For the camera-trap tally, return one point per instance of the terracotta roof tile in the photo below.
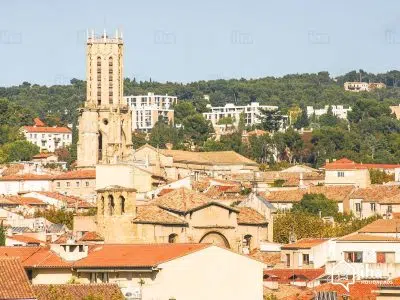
(382, 226)
(135, 255)
(268, 258)
(91, 236)
(26, 201)
(78, 174)
(26, 177)
(43, 155)
(356, 291)
(336, 193)
(347, 164)
(290, 275)
(304, 243)
(249, 216)
(208, 158)
(70, 201)
(152, 214)
(361, 237)
(39, 123)
(78, 291)
(378, 193)
(181, 200)
(164, 191)
(35, 257)
(41, 129)
(14, 283)
(26, 239)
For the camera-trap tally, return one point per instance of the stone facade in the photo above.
(105, 120)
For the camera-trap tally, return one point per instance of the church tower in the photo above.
(105, 120)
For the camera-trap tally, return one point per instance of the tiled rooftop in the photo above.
(14, 283)
(152, 214)
(304, 243)
(250, 216)
(41, 129)
(382, 226)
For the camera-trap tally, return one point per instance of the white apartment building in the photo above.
(338, 110)
(147, 109)
(251, 113)
(48, 138)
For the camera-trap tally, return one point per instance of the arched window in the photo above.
(98, 80)
(122, 201)
(172, 238)
(110, 80)
(111, 205)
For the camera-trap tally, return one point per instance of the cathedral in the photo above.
(105, 143)
(105, 120)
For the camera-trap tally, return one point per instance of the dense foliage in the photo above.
(316, 204)
(371, 133)
(306, 225)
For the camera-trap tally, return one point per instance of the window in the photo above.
(87, 183)
(68, 183)
(306, 259)
(81, 248)
(43, 143)
(58, 184)
(389, 209)
(358, 207)
(373, 206)
(353, 257)
(172, 238)
(385, 257)
(340, 174)
(288, 260)
(77, 184)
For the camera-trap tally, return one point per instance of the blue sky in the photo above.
(44, 41)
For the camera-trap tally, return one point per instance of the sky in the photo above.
(43, 41)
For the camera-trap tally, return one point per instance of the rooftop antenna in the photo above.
(104, 35)
(116, 33)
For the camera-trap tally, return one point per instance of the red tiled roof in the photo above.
(347, 164)
(164, 191)
(35, 257)
(290, 275)
(26, 177)
(91, 236)
(71, 201)
(304, 243)
(356, 291)
(43, 155)
(34, 129)
(26, 201)
(152, 214)
(26, 239)
(378, 193)
(39, 123)
(249, 216)
(361, 237)
(78, 174)
(14, 283)
(382, 226)
(136, 255)
(78, 291)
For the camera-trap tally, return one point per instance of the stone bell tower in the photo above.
(105, 120)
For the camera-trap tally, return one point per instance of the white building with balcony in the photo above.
(337, 110)
(48, 138)
(148, 109)
(251, 113)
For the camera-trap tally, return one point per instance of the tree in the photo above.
(271, 120)
(380, 177)
(315, 204)
(182, 110)
(2, 234)
(138, 139)
(197, 129)
(162, 134)
(328, 119)
(18, 151)
(302, 121)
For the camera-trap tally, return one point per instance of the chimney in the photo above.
(327, 160)
(169, 146)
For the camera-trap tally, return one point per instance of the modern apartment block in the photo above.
(147, 110)
(251, 113)
(338, 110)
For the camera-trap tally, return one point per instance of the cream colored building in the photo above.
(164, 271)
(105, 120)
(396, 110)
(363, 86)
(347, 172)
(177, 164)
